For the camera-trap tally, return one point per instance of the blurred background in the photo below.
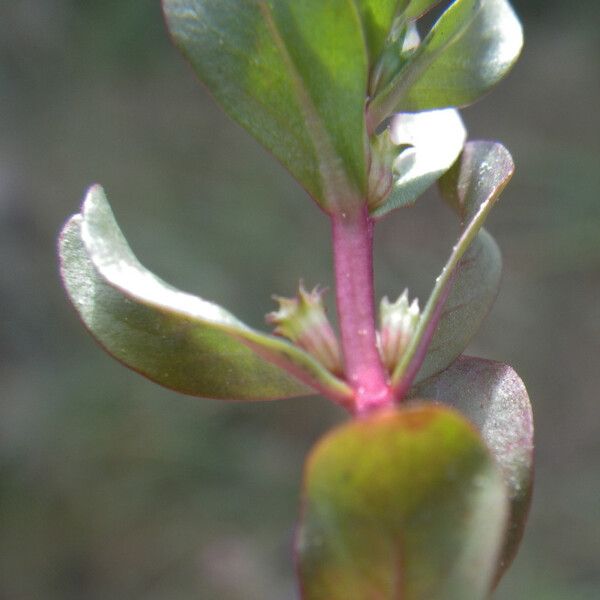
(111, 487)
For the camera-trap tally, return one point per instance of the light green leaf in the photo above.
(401, 44)
(467, 286)
(295, 75)
(436, 138)
(416, 8)
(176, 339)
(472, 47)
(377, 17)
(494, 398)
(401, 504)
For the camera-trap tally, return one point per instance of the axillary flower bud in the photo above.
(384, 152)
(303, 321)
(398, 322)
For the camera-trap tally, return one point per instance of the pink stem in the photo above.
(353, 265)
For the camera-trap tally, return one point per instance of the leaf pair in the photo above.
(410, 504)
(296, 74)
(198, 348)
(403, 504)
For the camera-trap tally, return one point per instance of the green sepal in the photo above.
(178, 340)
(404, 504)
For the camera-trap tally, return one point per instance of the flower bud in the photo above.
(382, 168)
(398, 322)
(303, 321)
(383, 155)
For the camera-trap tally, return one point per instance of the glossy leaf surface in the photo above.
(467, 286)
(468, 51)
(176, 339)
(402, 504)
(416, 8)
(377, 17)
(494, 398)
(436, 138)
(294, 74)
(474, 290)
(472, 47)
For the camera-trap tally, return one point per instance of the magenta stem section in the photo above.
(353, 265)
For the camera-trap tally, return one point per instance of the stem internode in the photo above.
(353, 266)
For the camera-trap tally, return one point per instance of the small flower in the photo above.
(398, 322)
(304, 322)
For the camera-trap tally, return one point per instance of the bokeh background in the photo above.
(111, 487)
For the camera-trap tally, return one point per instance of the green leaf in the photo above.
(382, 18)
(416, 8)
(436, 138)
(295, 75)
(472, 47)
(176, 339)
(377, 17)
(494, 398)
(401, 504)
(476, 284)
(467, 286)
(476, 180)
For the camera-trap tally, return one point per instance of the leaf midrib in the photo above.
(335, 188)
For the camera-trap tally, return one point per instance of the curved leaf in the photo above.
(294, 74)
(176, 339)
(474, 290)
(416, 8)
(401, 504)
(472, 47)
(467, 286)
(435, 139)
(377, 17)
(494, 398)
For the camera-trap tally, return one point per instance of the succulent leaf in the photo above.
(178, 340)
(401, 504)
(294, 74)
(468, 283)
(473, 45)
(494, 398)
